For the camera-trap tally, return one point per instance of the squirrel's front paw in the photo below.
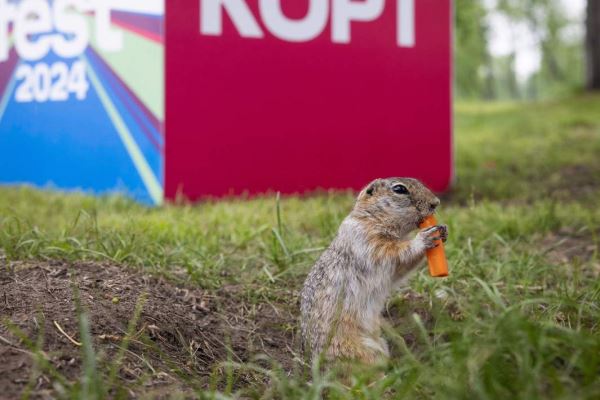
(443, 232)
(427, 237)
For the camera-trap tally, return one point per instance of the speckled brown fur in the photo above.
(346, 290)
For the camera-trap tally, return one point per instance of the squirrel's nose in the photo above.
(434, 203)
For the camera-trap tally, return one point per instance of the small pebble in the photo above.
(115, 300)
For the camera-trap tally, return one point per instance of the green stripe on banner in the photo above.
(150, 181)
(140, 64)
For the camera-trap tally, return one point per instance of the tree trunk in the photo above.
(489, 86)
(550, 59)
(511, 78)
(592, 45)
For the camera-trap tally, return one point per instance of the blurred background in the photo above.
(134, 73)
(525, 49)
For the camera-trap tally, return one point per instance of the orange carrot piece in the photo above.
(436, 257)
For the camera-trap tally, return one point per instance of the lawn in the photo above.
(201, 299)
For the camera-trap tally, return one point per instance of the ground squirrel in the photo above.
(345, 292)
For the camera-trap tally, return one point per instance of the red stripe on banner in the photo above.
(7, 69)
(132, 28)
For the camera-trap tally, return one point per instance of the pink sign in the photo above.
(293, 95)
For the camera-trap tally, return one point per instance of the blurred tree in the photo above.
(593, 45)
(562, 66)
(478, 74)
(506, 85)
(561, 60)
(472, 60)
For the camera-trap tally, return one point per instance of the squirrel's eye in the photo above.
(400, 189)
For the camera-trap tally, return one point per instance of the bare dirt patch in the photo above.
(566, 246)
(573, 182)
(183, 334)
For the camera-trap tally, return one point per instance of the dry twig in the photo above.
(75, 342)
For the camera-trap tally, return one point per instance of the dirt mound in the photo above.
(182, 335)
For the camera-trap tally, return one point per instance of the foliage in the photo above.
(471, 57)
(481, 75)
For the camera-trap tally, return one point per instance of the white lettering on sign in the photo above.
(7, 14)
(211, 18)
(406, 23)
(346, 11)
(41, 26)
(107, 38)
(33, 17)
(294, 30)
(72, 24)
(343, 13)
(54, 82)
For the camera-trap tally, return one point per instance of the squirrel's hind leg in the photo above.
(351, 344)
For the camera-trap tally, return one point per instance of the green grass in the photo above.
(519, 151)
(510, 321)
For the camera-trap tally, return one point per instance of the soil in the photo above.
(182, 337)
(574, 182)
(568, 246)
